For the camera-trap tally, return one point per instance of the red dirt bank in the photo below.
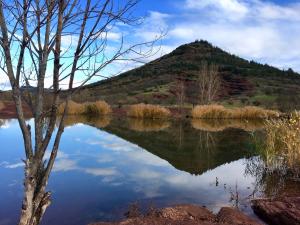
(188, 215)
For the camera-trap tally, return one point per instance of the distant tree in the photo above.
(209, 83)
(179, 91)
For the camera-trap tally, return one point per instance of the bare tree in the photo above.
(178, 90)
(33, 52)
(209, 83)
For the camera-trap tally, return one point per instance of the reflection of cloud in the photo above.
(64, 165)
(147, 158)
(7, 165)
(147, 174)
(101, 171)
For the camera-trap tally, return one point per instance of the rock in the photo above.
(283, 211)
(188, 215)
(234, 216)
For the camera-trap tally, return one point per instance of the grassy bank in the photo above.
(88, 108)
(220, 112)
(148, 111)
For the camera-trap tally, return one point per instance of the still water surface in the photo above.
(104, 165)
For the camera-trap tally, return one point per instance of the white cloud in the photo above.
(233, 9)
(255, 30)
(114, 36)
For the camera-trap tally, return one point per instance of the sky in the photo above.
(264, 31)
(259, 30)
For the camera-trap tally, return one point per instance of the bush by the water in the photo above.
(88, 108)
(97, 108)
(220, 112)
(148, 111)
(74, 108)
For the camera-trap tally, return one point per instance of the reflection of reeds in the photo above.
(214, 125)
(99, 122)
(88, 108)
(147, 125)
(220, 112)
(148, 111)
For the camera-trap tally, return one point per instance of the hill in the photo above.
(243, 82)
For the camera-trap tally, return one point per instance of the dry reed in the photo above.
(148, 111)
(220, 112)
(283, 139)
(74, 108)
(88, 108)
(97, 108)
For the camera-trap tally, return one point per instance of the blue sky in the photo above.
(265, 31)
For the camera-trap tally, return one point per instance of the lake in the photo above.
(104, 165)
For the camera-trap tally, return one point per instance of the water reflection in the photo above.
(105, 164)
(220, 125)
(147, 125)
(99, 122)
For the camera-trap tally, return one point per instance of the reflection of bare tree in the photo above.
(209, 83)
(207, 144)
(207, 141)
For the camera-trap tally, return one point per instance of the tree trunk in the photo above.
(36, 199)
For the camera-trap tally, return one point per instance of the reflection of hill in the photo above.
(186, 148)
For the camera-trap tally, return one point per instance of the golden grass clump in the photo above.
(148, 111)
(253, 112)
(283, 139)
(88, 108)
(1, 105)
(220, 112)
(97, 108)
(74, 108)
(211, 112)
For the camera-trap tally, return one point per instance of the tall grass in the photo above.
(220, 112)
(148, 111)
(283, 139)
(88, 108)
(74, 108)
(97, 108)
